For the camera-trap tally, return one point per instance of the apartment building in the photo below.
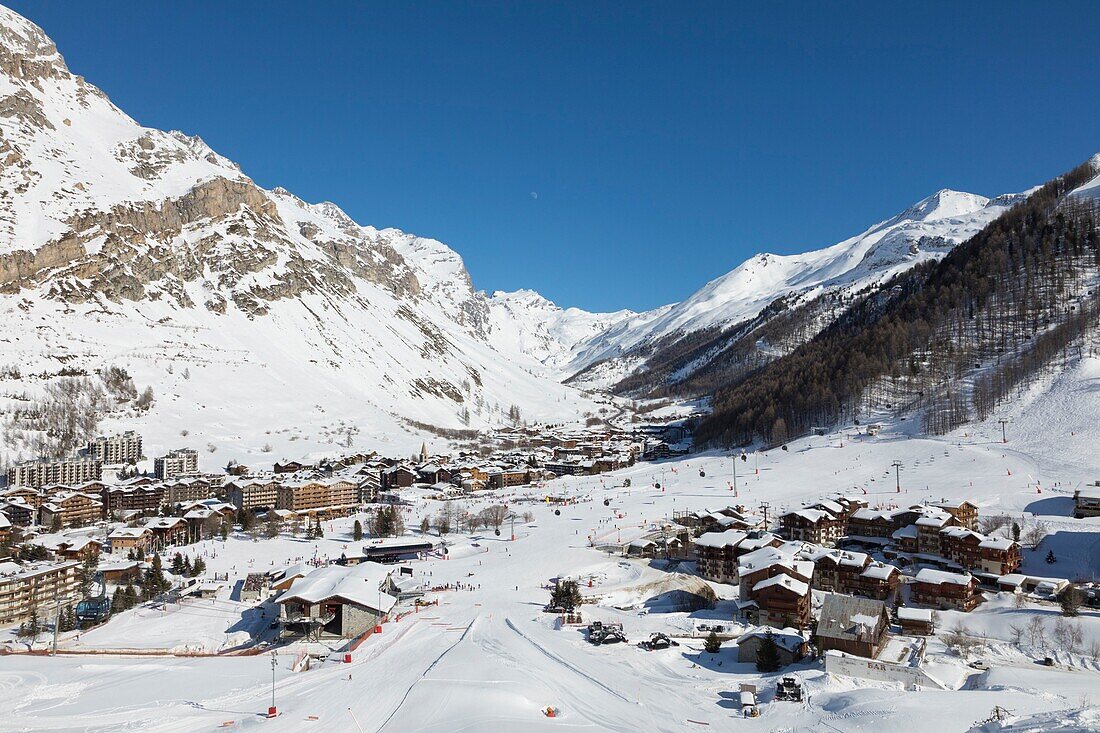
(27, 588)
(333, 496)
(122, 448)
(72, 508)
(179, 462)
(253, 493)
(37, 474)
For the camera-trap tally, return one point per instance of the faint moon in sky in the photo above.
(535, 194)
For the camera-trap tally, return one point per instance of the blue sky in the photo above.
(665, 142)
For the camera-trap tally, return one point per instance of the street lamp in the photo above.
(273, 711)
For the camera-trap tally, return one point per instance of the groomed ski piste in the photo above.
(489, 659)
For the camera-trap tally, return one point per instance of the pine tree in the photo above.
(177, 564)
(188, 571)
(317, 531)
(155, 582)
(129, 595)
(198, 568)
(357, 531)
(767, 656)
(118, 603)
(86, 575)
(1051, 559)
(712, 643)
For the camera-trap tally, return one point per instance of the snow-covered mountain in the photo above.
(262, 322)
(926, 230)
(252, 310)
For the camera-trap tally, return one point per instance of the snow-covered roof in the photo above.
(728, 538)
(931, 575)
(785, 581)
(997, 543)
(788, 638)
(879, 571)
(908, 613)
(360, 584)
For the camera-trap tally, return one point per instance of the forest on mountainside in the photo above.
(949, 339)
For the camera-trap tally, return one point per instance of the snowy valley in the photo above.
(268, 468)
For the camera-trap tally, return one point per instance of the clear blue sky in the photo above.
(666, 142)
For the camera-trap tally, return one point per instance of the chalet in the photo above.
(870, 523)
(941, 589)
(717, 553)
(396, 477)
(5, 528)
(432, 474)
(878, 580)
(791, 642)
(121, 572)
(1086, 501)
(811, 525)
(66, 547)
(975, 551)
(19, 513)
(905, 538)
(337, 601)
(852, 625)
(23, 494)
(188, 489)
(503, 478)
(167, 531)
(781, 601)
(130, 541)
(929, 526)
(916, 621)
(290, 467)
(71, 509)
(963, 512)
(142, 499)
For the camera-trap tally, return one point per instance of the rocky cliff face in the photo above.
(115, 234)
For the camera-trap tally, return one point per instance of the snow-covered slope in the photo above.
(294, 325)
(527, 325)
(927, 229)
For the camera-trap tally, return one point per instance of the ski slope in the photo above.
(488, 658)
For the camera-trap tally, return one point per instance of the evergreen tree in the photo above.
(712, 643)
(767, 656)
(177, 564)
(129, 595)
(273, 526)
(425, 525)
(199, 567)
(357, 531)
(1015, 532)
(1051, 559)
(1070, 601)
(118, 603)
(317, 531)
(155, 582)
(566, 595)
(188, 571)
(86, 574)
